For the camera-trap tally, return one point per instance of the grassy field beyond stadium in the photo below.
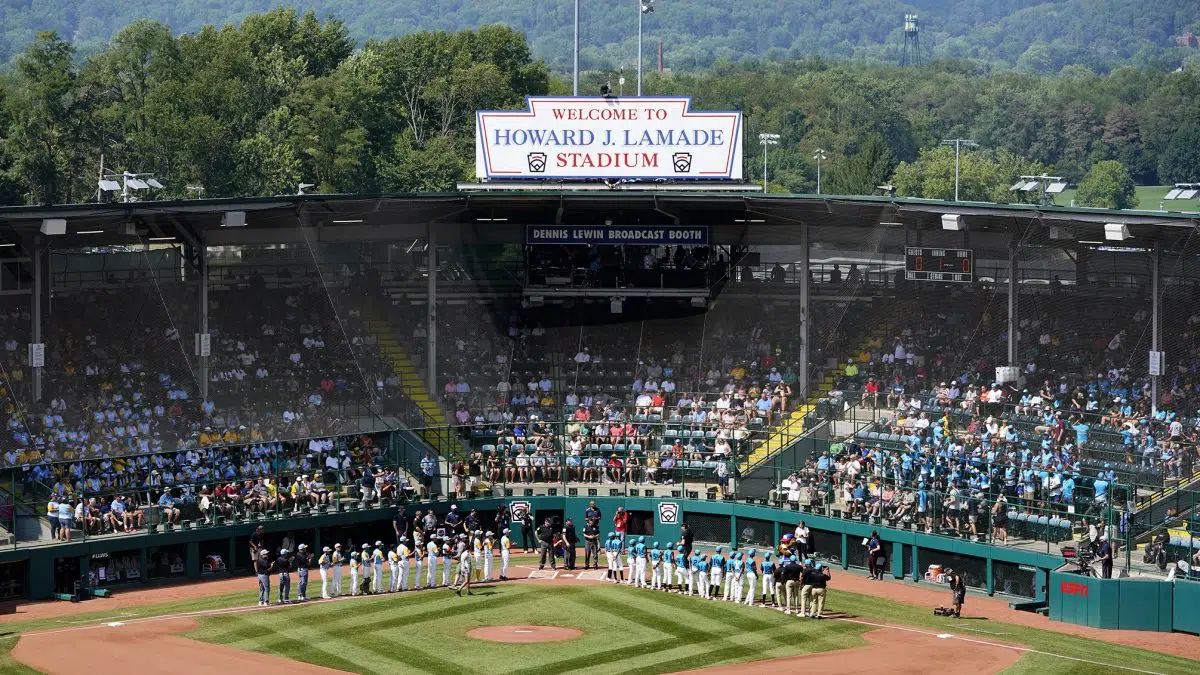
(625, 631)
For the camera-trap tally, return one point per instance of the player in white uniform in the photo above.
(337, 561)
(377, 559)
(323, 566)
(477, 554)
(505, 546)
(489, 554)
(394, 561)
(739, 568)
(355, 571)
(418, 557)
(667, 556)
(610, 557)
(464, 572)
(629, 564)
(447, 560)
(716, 567)
(751, 577)
(431, 559)
(639, 562)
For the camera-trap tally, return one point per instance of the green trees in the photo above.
(256, 109)
(1107, 186)
(1180, 160)
(984, 176)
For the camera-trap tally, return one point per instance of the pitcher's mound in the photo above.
(524, 634)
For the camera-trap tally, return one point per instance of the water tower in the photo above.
(912, 41)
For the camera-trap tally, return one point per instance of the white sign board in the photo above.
(1157, 360)
(37, 355)
(608, 137)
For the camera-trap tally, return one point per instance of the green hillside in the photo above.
(1041, 35)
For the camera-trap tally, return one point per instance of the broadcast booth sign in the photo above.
(693, 235)
(632, 138)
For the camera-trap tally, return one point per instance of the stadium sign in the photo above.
(615, 234)
(607, 137)
(668, 513)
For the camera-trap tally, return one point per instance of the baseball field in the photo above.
(564, 624)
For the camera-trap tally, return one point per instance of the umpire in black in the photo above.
(572, 540)
(545, 535)
(591, 546)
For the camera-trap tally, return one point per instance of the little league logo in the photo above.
(668, 513)
(682, 161)
(537, 162)
(518, 509)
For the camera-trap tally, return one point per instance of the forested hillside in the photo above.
(284, 99)
(1040, 35)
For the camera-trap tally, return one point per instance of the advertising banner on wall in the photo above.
(608, 137)
(696, 235)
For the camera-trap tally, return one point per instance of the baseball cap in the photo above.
(302, 546)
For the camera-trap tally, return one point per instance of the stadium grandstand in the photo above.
(1016, 376)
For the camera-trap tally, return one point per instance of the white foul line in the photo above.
(996, 644)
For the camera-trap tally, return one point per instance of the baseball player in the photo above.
(431, 559)
(323, 565)
(477, 554)
(751, 577)
(337, 560)
(489, 554)
(447, 560)
(377, 559)
(418, 558)
(629, 560)
(639, 562)
(355, 571)
(403, 553)
(667, 564)
(303, 560)
(739, 571)
(609, 556)
(700, 571)
(505, 547)
(693, 579)
(768, 579)
(394, 560)
(727, 594)
(284, 564)
(682, 575)
(464, 570)
(655, 566)
(364, 566)
(716, 566)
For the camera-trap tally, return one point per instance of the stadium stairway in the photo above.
(793, 428)
(411, 382)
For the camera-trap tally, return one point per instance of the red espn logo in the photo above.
(1069, 588)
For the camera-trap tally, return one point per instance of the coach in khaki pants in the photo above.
(815, 579)
(789, 575)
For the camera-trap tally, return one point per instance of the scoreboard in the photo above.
(939, 264)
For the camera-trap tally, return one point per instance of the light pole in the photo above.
(575, 55)
(644, 7)
(958, 144)
(765, 140)
(820, 157)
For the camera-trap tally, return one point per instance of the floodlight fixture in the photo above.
(1183, 191)
(109, 185)
(1173, 193)
(300, 188)
(1188, 194)
(128, 181)
(1056, 188)
(154, 184)
(889, 190)
(137, 184)
(1017, 186)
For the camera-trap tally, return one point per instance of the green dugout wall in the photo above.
(1141, 604)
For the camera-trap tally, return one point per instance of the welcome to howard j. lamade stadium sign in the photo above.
(577, 138)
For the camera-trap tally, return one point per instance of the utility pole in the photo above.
(819, 156)
(958, 144)
(644, 7)
(575, 55)
(766, 140)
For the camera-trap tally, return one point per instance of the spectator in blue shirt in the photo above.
(169, 508)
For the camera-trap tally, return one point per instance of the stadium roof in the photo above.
(499, 216)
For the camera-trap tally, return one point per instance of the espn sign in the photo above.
(1069, 588)
(608, 137)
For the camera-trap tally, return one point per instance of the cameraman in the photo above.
(958, 591)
